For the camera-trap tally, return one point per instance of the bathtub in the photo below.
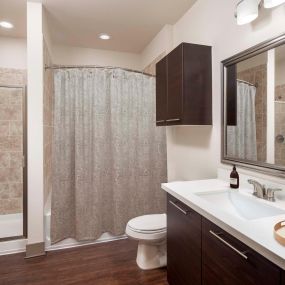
(11, 225)
(70, 242)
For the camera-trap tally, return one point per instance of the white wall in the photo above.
(46, 34)
(67, 55)
(162, 42)
(35, 123)
(194, 152)
(13, 53)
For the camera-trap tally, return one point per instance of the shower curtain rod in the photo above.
(255, 85)
(96, 66)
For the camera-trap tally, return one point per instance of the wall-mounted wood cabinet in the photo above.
(184, 86)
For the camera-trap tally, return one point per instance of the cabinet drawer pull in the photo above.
(241, 253)
(160, 121)
(173, 120)
(185, 212)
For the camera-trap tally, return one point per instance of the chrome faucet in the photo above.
(270, 194)
(261, 192)
(259, 189)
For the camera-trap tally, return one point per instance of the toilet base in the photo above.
(151, 255)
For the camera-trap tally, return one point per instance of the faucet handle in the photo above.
(270, 193)
(257, 187)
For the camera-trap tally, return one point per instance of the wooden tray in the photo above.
(279, 232)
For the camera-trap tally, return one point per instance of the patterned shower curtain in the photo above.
(109, 158)
(241, 139)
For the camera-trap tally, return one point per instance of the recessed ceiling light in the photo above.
(104, 36)
(6, 25)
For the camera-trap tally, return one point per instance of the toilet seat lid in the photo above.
(148, 223)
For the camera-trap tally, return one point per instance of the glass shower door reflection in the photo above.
(12, 162)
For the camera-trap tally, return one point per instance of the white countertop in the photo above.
(257, 233)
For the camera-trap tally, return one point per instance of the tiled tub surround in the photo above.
(48, 123)
(10, 76)
(257, 75)
(280, 123)
(256, 233)
(11, 150)
(11, 187)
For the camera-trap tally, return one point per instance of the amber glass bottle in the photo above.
(234, 178)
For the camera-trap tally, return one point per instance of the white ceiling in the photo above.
(14, 11)
(131, 23)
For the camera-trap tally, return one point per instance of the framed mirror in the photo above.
(253, 108)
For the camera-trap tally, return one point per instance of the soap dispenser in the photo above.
(234, 178)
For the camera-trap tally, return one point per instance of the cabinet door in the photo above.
(183, 244)
(283, 278)
(231, 92)
(175, 86)
(227, 261)
(161, 92)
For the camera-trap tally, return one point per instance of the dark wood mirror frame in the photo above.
(267, 168)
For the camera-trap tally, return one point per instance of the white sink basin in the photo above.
(240, 205)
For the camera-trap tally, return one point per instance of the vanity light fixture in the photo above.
(246, 11)
(272, 3)
(6, 25)
(104, 36)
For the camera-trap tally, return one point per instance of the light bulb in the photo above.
(6, 25)
(272, 3)
(246, 11)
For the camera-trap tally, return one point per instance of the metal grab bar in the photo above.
(217, 235)
(180, 209)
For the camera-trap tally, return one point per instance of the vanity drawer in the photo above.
(183, 244)
(227, 260)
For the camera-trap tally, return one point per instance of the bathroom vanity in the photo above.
(220, 236)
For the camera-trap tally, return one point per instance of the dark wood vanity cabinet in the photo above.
(227, 261)
(201, 253)
(184, 86)
(183, 244)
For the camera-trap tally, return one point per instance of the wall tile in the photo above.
(4, 128)
(4, 96)
(4, 191)
(16, 128)
(11, 132)
(11, 143)
(16, 190)
(11, 112)
(48, 101)
(16, 159)
(16, 97)
(4, 160)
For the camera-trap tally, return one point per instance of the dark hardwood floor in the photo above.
(110, 263)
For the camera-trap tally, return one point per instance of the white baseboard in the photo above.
(13, 246)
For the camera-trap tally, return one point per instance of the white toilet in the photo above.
(150, 231)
